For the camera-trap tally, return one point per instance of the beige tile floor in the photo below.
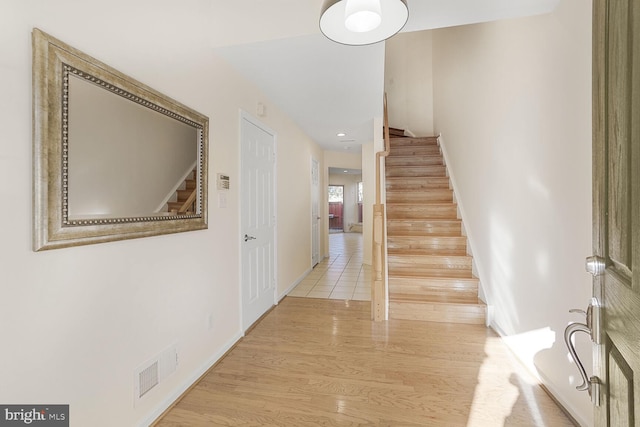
(340, 276)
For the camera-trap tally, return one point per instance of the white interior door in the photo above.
(258, 220)
(315, 212)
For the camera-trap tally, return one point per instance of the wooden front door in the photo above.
(616, 175)
(336, 207)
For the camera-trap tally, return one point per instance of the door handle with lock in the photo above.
(595, 265)
(247, 238)
(592, 328)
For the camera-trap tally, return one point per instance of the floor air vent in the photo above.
(154, 371)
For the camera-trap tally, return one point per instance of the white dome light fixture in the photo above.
(362, 22)
(361, 16)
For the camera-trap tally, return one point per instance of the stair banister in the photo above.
(379, 285)
(385, 153)
(188, 204)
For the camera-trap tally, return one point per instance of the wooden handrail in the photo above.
(379, 285)
(189, 202)
(385, 153)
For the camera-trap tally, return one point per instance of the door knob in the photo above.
(247, 238)
(595, 265)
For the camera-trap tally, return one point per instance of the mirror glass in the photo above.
(113, 158)
(118, 147)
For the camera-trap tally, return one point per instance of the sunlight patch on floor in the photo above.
(495, 391)
(527, 344)
(510, 392)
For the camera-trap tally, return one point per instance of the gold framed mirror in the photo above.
(113, 159)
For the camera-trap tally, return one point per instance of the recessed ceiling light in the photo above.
(346, 171)
(342, 134)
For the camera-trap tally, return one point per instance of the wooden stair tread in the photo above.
(432, 210)
(413, 171)
(451, 298)
(426, 251)
(427, 287)
(438, 233)
(408, 140)
(434, 204)
(401, 161)
(422, 151)
(438, 312)
(430, 273)
(423, 179)
(434, 282)
(406, 197)
(425, 192)
(420, 257)
(421, 221)
(414, 151)
(183, 195)
(421, 197)
(401, 152)
(427, 242)
(418, 242)
(437, 227)
(416, 183)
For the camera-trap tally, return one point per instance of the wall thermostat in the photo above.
(223, 181)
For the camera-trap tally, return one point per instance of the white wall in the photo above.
(409, 82)
(294, 200)
(77, 322)
(513, 104)
(343, 159)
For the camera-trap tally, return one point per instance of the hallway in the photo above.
(322, 362)
(342, 275)
(319, 360)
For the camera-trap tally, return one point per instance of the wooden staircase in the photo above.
(430, 272)
(183, 195)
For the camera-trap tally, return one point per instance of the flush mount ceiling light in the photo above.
(361, 22)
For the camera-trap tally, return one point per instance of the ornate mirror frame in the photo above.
(54, 63)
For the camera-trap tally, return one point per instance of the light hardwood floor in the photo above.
(322, 362)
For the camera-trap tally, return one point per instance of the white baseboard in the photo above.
(568, 409)
(294, 284)
(163, 406)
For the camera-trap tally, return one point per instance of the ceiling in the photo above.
(344, 171)
(325, 87)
